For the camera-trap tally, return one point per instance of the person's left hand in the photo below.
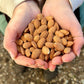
(63, 14)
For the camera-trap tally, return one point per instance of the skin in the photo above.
(63, 14)
(22, 15)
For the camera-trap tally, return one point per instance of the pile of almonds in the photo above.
(44, 39)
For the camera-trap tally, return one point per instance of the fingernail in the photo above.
(12, 55)
(51, 70)
(78, 53)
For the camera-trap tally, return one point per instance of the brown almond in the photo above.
(22, 51)
(32, 49)
(18, 49)
(50, 37)
(52, 29)
(44, 21)
(45, 50)
(50, 23)
(27, 52)
(44, 34)
(19, 42)
(34, 44)
(26, 45)
(49, 45)
(52, 53)
(23, 39)
(46, 57)
(65, 32)
(57, 53)
(60, 34)
(42, 57)
(57, 26)
(42, 28)
(26, 30)
(58, 46)
(67, 50)
(57, 39)
(36, 38)
(69, 38)
(37, 23)
(64, 41)
(41, 42)
(35, 32)
(31, 28)
(49, 18)
(28, 37)
(39, 16)
(36, 53)
(70, 43)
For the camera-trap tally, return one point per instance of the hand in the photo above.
(22, 15)
(63, 14)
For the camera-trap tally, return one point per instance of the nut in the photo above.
(41, 42)
(19, 42)
(49, 45)
(49, 18)
(57, 26)
(39, 16)
(45, 50)
(36, 38)
(36, 23)
(65, 32)
(34, 44)
(42, 57)
(70, 43)
(31, 28)
(57, 53)
(52, 53)
(67, 50)
(36, 53)
(69, 38)
(41, 28)
(60, 34)
(23, 39)
(52, 29)
(58, 46)
(18, 48)
(50, 23)
(35, 32)
(50, 37)
(44, 34)
(46, 57)
(57, 39)
(27, 52)
(22, 51)
(26, 45)
(26, 30)
(64, 41)
(44, 21)
(32, 49)
(28, 37)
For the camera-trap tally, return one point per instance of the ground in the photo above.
(68, 73)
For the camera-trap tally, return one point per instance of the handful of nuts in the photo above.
(44, 39)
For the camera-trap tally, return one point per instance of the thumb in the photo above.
(9, 42)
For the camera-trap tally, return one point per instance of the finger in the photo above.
(22, 60)
(45, 66)
(68, 57)
(9, 42)
(57, 60)
(39, 62)
(78, 43)
(51, 67)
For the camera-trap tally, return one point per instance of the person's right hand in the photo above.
(22, 15)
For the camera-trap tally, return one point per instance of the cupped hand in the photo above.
(63, 14)
(22, 15)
